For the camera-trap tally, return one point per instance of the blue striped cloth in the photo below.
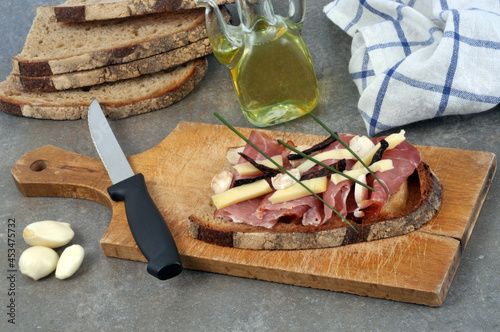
(414, 60)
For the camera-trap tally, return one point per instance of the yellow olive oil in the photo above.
(272, 73)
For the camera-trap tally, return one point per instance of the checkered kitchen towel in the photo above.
(420, 59)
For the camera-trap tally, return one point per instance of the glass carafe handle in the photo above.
(297, 12)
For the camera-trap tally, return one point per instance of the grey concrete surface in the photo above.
(117, 295)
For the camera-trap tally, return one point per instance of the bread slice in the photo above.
(119, 100)
(53, 48)
(116, 72)
(409, 210)
(91, 10)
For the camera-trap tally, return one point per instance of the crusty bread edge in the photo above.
(106, 57)
(116, 72)
(113, 111)
(120, 9)
(258, 238)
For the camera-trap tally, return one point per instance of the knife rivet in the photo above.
(39, 165)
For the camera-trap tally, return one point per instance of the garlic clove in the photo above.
(48, 233)
(70, 261)
(233, 155)
(38, 262)
(221, 182)
(361, 145)
(283, 180)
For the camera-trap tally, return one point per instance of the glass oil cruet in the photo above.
(270, 64)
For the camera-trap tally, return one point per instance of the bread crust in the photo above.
(82, 11)
(128, 48)
(424, 201)
(116, 72)
(73, 104)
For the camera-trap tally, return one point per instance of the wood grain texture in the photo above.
(417, 268)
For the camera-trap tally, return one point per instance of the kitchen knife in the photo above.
(145, 220)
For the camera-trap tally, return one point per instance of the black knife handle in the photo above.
(148, 227)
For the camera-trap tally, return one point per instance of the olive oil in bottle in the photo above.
(272, 73)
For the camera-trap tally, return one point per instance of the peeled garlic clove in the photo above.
(48, 233)
(233, 155)
(70, 261)
(361, 145)
(221, 182)
(283, 180)
(38, 262)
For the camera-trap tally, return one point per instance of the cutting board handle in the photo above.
(50, 171)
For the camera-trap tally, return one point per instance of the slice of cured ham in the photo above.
(309, 208)
(405, 159)
(269, 146)
(265, 143)
(336, 196)
(245, 212)
(260, 211)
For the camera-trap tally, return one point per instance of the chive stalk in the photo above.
(280, 167)
(325, 165)
(348, 148)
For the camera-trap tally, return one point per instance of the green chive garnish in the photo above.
(324, 165)
(280, 167)
(347, 147)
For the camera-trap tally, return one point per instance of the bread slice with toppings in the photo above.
(92, 10)
(409, 208)
(120, 99)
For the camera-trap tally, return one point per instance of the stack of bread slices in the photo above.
(133, 56)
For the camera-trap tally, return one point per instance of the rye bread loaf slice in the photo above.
(53, 48)
(120, 99)
(116, 72)
(410, 208)
(92, 10)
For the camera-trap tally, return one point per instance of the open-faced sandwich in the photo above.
(350, 189)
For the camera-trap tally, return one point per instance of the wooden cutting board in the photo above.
(418, 267)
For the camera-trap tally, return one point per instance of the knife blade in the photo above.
(146, 223)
